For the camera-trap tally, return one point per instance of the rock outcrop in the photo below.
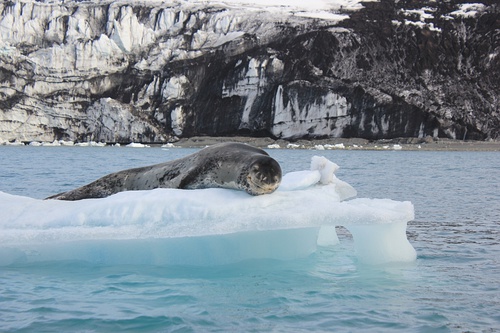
(148, 71)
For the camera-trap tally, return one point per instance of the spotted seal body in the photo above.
(226, 165)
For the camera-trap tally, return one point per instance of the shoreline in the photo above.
(409, 144)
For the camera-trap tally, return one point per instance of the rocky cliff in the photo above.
(119, 71)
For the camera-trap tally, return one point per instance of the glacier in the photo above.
(152, 71)
(208, 226)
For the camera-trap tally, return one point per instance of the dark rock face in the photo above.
(139, 73)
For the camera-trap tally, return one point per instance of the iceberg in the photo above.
(207, 226)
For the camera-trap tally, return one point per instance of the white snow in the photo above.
(313, 7)
(424, 13)
(323, 15)
(468, 10)
(209, 226)
(423, 25)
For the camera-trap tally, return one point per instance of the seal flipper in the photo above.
(101, 188)
(84, 192)
(76, 194)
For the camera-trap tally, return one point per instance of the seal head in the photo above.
(263, 176)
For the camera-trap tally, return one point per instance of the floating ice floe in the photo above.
(90, 144)
(319, 147)
(329, 146)
(206, 226)
(335, 146)
(55, 143)
(137, 145)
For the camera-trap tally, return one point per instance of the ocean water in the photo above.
(453, 286)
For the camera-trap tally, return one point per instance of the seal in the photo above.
(226, 165)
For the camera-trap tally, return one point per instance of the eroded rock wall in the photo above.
(127, 71)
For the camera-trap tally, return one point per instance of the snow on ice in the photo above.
(207, 226)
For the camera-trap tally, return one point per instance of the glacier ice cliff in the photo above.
(145, 71)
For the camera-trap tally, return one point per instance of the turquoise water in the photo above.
(452, 287)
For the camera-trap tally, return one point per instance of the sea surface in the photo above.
(453, 286)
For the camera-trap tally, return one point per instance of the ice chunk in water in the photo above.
(205, 227)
